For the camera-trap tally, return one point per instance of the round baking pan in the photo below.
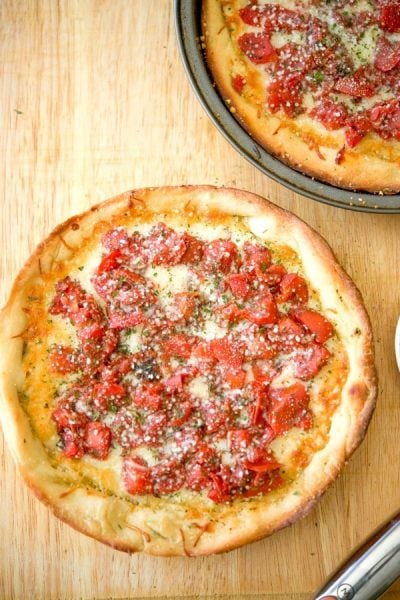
(188, 30)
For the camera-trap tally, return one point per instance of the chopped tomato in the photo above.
(274, 275)
(67, 418)
(257, 47)
(262, 309)
(63, 359)
(356, 85)
(179, 345)
(264, 483)
(168, 477)
(256, 258)
(216, 417)
(259, 388)
(226, 352)
(154, 426)
(194, 249)
(268, 464)
(390, 16)
(238, 83)
(115, 238)
(197, 477)
(98, 439)
(239, 284)
(73, 444)
(229, 312)
(136, 476)
(256, 345)
(290, 330)
(293, 288)
(108, 393)
(148, 397)
(183, 306)
(387, 56)
(234, 378)
(315, 323)
(219, 255)
(238, 439)
(311, 360)
(251, 14)
(181, 412)
(288, 406)
(332, 115)
(164, 246)
(110, 261)
(120, 319)
(219, 491)
(202, 353)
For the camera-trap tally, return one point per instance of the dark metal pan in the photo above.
(188, 29)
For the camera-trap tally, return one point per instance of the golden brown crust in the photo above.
(373, 165)
(187, 524)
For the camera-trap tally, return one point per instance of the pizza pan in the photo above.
(188, 30)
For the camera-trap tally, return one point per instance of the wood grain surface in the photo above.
(95, 101)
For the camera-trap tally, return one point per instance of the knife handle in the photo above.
(371, 570)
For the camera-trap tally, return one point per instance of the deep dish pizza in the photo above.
(184, 370)
(317, 83)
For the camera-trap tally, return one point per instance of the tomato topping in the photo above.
(67, 418)
(315, 323)
(332, 115)
(274, 275)
(163, 246)
(197, 477)
(251, 14)
(234, 378)
(256, 258)
(183, 306)
(63, 359)
(357, 128)
(73, 444)
(180, 413)
(109, 262)
(136, 475)
(287, 408)
(148, 397)
(179, 345)
(356, 85)
(119, 319)
(98, 439)
(219, 255)
(390, 16)
(226, 352)
(293, 288)
(256, 345)
(262, 309)
(238, 83)
(269, 464)
(168, 477)
(257, 47)
(239, 439)
(194, 250)
(309, 363)
(108, 394)
(239, 284)
(387, 56)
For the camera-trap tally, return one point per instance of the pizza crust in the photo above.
(190, 525)
(302, 143)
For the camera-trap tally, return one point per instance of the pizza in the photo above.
(183, 370)
(316, 83)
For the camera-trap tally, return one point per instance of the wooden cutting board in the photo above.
(94, 101)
